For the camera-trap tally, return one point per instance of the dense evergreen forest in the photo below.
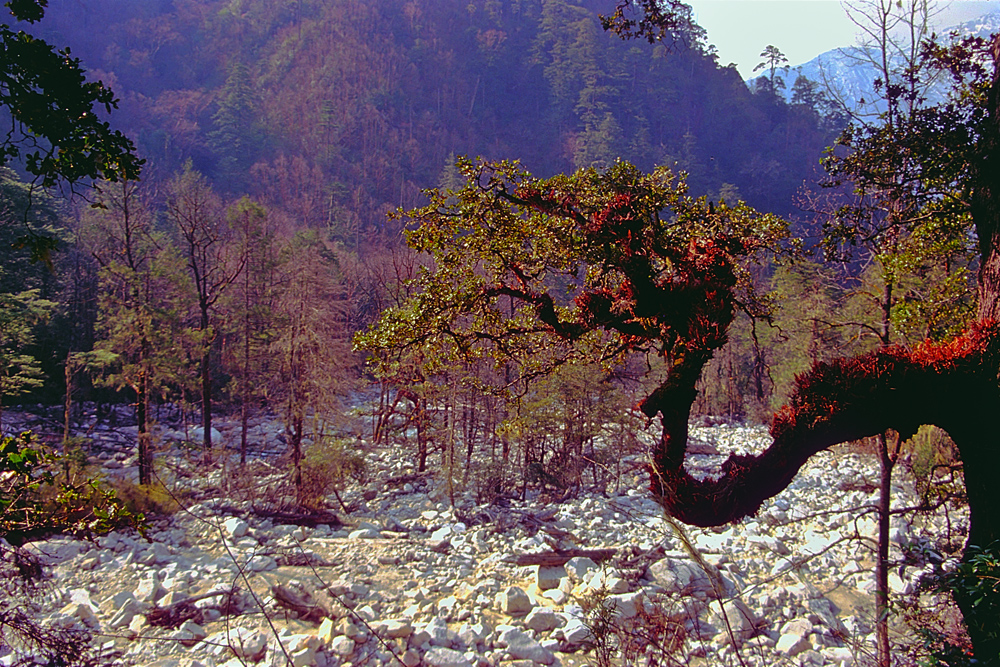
(330, 115)
(364, 103)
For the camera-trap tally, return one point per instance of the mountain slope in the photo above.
(342, 110)
(847, 74)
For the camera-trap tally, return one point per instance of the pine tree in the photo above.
(140, 328)
(236, 136)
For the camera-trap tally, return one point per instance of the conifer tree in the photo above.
(236, 135)
(205, 237)
(142, 339)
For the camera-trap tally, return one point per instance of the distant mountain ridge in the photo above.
(848, 73)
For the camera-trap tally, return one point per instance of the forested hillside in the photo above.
(341, 111)
(316, 291)
(327, 116)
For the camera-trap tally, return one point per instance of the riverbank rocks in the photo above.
(682, 577)
(235, 527)
(520, 646)
(417, 580)
(542, 619)
(445, 657)
(548, 577)
(737, 621)
(514, 602)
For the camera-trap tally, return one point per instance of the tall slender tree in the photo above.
(252, 302)
(205, 239)
(310, 342)
(141, 334)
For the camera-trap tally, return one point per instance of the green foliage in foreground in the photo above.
(34, 503)
(977, 580)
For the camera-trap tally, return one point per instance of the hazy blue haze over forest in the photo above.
(358, 105)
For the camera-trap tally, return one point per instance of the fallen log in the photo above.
(172, 616)
(562, 556)
(307, 518)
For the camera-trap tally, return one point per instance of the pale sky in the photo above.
(801, 29)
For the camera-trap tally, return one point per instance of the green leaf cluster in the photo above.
(34, 504)
(514, 265)
(20, 372)
(57, 131)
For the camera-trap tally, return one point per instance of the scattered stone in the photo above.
(304, 657)
(365, 534)
(342, 646)
(522, 647)
(137, 626)
(734, 616)
(557, 596)
(626, 605)
(577, 568)
(395, 628)
(791, 645)
(326, 631)
(440, 656)
(149, 590)
(514, 602)
(235, 527)
(542, 619)
(189, 633)
(262, 563)
(83, 613)
(474, 574)
(603, 580)
(680, 577)
(548, 577)
(125, 613)
(248, 644)
(473, 634)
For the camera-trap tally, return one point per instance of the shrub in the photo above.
(931, 450)
(487, 481)
(654, 636)
(147, 499)
(33, 503)
(977, 579)
(327, 466)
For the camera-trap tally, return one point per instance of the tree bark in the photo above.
(886, 463)
(951, 385)
(206, 388)
(985, 204)
(145, 453)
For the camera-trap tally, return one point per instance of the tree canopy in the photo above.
(55, 126)
(536, 272)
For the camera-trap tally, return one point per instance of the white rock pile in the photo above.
(415, 581)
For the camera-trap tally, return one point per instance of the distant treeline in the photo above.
(341, 110)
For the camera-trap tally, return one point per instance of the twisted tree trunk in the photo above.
(985, 203)
(951, 385)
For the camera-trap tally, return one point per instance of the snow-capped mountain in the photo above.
(847, 74)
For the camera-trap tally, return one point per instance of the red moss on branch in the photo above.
(840, 401)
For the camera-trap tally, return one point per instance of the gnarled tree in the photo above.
(534, 272)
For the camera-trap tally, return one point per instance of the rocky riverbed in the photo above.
(408, 578)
